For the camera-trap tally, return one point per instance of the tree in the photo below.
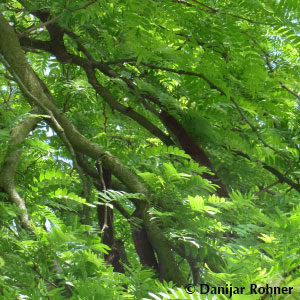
(159, 138)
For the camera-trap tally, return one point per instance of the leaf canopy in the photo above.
(147, 145)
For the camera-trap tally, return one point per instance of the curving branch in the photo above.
(281, 177)
(89, 66)
(10, 163)
(222, 92)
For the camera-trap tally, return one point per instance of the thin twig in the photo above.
(290, 91)
(100, 170)
(35, 269)
(56, 124)
(54, 19)
(267, 188)
(40, 25)
(271, 69)
(212, 10)
(215, 87)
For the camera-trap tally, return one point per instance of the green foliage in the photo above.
(228, 72)
(175, 294)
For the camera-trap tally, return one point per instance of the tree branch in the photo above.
(212, 10)
(9, 166)
(53, 20)
(222, 92)
(290, 91)
(281, 177)
(11, 50)
(271, 69)
(101, 90)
